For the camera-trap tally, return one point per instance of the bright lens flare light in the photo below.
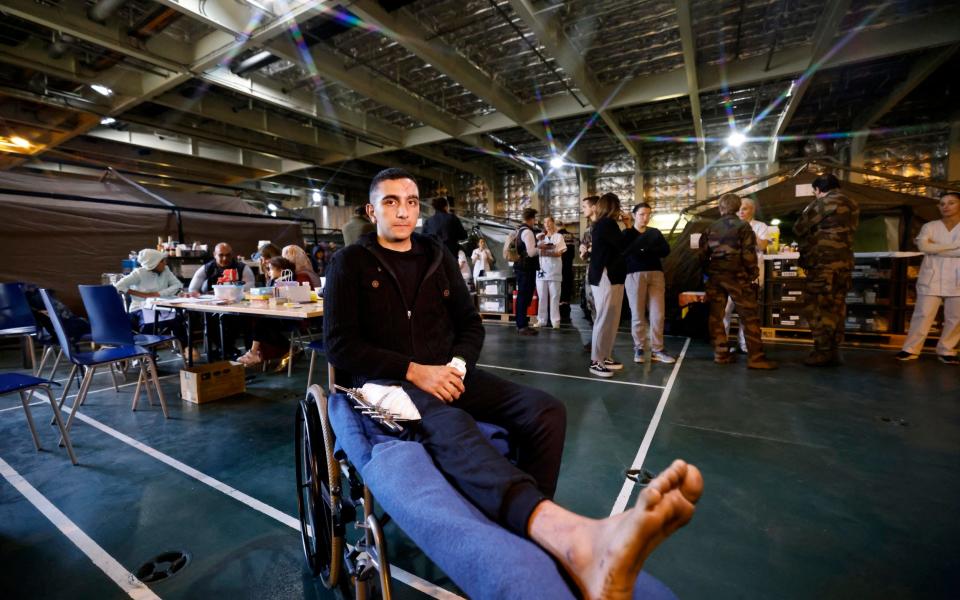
(556, 162)
(19, 142)
(736, 139)
(273, 207)
(101, 89)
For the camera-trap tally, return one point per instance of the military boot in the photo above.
(760, 361)
(823, 358)
(724, 358)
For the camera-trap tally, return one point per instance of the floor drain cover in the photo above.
(163, 566)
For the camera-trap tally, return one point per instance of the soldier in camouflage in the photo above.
(728, 252)
(825, 233)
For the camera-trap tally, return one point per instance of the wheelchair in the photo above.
(343, 540)
(343, 537)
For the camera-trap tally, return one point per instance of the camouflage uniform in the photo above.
(728, 251)
(825, 233)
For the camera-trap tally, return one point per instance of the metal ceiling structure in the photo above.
(273, 95)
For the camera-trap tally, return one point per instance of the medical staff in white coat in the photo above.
(550, 276)
(939, 282)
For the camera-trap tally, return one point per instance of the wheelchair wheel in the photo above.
(318, 489)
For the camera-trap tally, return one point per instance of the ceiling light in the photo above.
(556, 161)
(19, 142)
(775, 222)
(101, 89)
(107, 121)
(273, 207)
(273, 214)
(736, 139)
(315, 196)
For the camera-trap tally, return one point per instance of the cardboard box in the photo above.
(206, 383)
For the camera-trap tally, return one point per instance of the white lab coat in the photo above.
(940, 271)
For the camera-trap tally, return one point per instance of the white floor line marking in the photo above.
(628, 484)
(598, 380)
(568, 327)
(106, 389)
(104, 372)
(20, 407)
(399, 574)
(114, 570)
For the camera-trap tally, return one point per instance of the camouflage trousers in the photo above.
(744, 294)
(825, 307)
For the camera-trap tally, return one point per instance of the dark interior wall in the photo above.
(60, 244)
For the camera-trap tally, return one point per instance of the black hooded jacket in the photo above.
(370, 331)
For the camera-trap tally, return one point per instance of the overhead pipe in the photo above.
(254, 62)
(103, 10)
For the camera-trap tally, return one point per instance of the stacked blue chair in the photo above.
(16, 318)
(110, 323)
(18, 382)
(98, 358)
(315, 347)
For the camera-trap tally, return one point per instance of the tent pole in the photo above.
(180, 237)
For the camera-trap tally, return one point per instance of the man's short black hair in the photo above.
(637, 207)
(390, 175)
(825, 183)
(527, 214)
(360, 210)
(440, 203)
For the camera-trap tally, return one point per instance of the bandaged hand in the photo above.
(441, 381)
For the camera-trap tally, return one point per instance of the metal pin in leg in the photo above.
(375, 412)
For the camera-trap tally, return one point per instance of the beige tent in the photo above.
(59, 233)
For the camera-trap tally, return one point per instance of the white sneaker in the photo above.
(661, 356)
(638, 355)
(597, 368)
(612, 364)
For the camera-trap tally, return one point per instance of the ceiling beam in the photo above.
(409, 33)
(688, 43)
(208, 154)
(922, 68)
(549, 32)
(134, 148)
(942, 28)
(218, 108)
(823, 40)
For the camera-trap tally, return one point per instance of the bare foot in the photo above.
(605, 556)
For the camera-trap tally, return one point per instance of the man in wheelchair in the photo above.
(397, 310)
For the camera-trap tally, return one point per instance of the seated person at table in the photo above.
(397, 310)
(152, 279)
(206, 277)
(202, 283)
(269, 341)
(264, 254)
(302, 265)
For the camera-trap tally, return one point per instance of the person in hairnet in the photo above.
(152, 279)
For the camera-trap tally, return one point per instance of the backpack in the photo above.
(510, 252)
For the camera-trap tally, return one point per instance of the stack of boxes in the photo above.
(495, 293)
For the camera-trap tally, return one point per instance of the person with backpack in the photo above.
(526, 265)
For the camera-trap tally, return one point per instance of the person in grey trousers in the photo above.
(606, 274)
(645, 284)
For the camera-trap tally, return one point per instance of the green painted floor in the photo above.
(838, 483)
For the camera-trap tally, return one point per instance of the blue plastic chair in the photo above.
(315, 347)
(18, 382)
(97, 358)
(16, 318)
(110, 322)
